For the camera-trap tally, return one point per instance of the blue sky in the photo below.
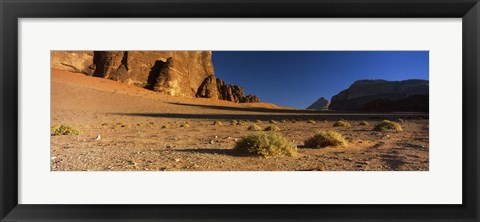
(299, 78)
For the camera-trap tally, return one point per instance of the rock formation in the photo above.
(209, 89)
(73, 61)
(320, 104)
(177, 73)
(216, 88)
(374, 92)
(110, 65)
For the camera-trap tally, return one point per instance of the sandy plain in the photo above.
(141, 130)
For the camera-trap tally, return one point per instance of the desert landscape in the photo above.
(168, 111)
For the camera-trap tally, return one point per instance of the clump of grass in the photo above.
(233, 122)
(283, 121)
(217, 123)
(104, 124)
(342, 122)
(326, 138)
(258, 121)
(363, 123)
(265, 145)
(254, 128)
(272, 128)
(311, 121)
(294, 121)
(125, 125)
(400, 120)
(64, 130)
(165, 127)
(388, 125)
(184, 125)
(273, 121)
(151, 123)
(241, 122)
(53, 128)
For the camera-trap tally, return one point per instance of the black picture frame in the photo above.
(12, 10)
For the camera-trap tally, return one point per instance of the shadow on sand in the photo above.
(252, 109)
(263, 117)
(276, 114)
(225, 152)
(394, 159)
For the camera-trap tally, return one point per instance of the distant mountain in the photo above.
(320, 104)
(375, 95)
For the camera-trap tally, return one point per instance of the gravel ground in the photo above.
(141, 130)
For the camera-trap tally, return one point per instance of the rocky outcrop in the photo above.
(320, 104)
(216, 88)
(209, 89)
(362, 92)
(110, 65)
(73, 61)
(251, 99)
(177, 73)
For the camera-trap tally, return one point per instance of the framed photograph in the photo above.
(224, 110)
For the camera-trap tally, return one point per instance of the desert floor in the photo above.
(140, 130)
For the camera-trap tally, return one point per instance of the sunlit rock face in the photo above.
(216, 88)
(176, 73)
(73, 61)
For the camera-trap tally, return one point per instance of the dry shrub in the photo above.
(185, 125)
(326, 138)
(388, 125)
(241, 122)
(342, 122)
(254, 128)
(233, 122)
(217, 123)
(272, 128)
(363, 123)
(273, 121)
(64, 130)
(265, 145)
(311, 121)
